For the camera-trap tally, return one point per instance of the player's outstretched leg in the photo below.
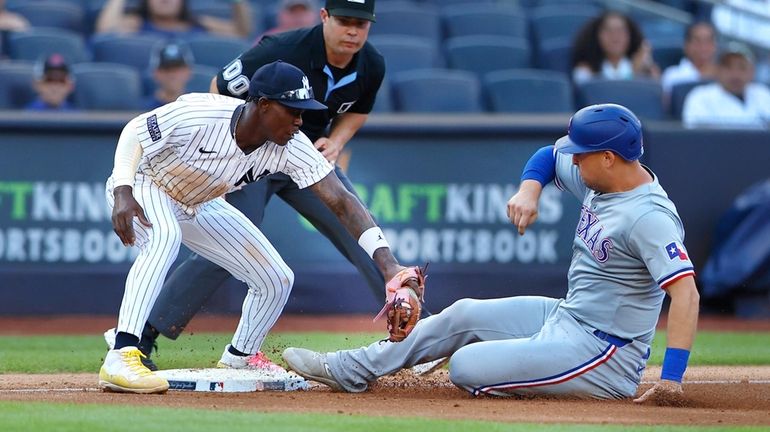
(465, 322)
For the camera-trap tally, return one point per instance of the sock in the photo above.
(123, 339)
(234, 351)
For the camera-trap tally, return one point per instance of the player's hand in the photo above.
(664, 392)
(123, 213)
(522, 207)
(329, 149)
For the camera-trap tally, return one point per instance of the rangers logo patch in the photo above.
(153, 128)
(675, 251)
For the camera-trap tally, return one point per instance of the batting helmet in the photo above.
(604, 127)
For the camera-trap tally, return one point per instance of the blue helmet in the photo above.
(604, 127)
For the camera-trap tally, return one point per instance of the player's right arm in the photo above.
(128, 154)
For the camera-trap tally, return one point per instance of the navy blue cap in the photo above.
(284, 83)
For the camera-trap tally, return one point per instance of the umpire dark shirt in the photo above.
(352, 89)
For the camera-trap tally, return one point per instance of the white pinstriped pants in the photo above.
(221, 234)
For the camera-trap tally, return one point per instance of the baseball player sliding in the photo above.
(172, 166)
(628, 252)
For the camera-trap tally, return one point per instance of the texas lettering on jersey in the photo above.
(590, 231)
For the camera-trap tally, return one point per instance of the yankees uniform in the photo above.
(190, 159)
(348, 90)
(628, 247)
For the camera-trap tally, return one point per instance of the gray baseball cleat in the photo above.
(428, 368)
(311, 365)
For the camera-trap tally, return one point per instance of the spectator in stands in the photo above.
(733, 101)
(699, 62)
(171, 18)
(53, 85)
(294, 14)
(10, 21)
(612, 46)
(171, 65)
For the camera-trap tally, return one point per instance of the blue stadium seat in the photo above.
(436, 90)
(658, 29)
(565, 21)
(407, 18)
(383, 103)
(492, 19)
(38, 42)
(528, 91)
(107, 86)
(679, 93)
(404, 53)
(16, 84)
(667, 52)
(482, 54)
(132, 50)
(200, 82)
(643, 97)
(555, 54)
(216, 51)
(52, 13)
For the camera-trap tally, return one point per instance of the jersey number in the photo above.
(237, 83)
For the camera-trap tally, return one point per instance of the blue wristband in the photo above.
(674, 364)
(541, 166)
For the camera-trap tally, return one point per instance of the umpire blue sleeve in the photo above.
(541, 166)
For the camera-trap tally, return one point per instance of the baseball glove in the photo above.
(404, 294)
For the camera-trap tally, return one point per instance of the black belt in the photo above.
(617, 341)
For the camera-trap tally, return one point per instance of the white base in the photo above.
(231, 380)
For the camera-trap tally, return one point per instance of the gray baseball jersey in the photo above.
(595, 342)
(190, 159)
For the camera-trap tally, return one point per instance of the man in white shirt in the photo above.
(734, 101)
(699, 61)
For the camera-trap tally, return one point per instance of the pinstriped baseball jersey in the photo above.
(190, 153)
(627, 246)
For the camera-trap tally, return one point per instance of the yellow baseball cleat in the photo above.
(123, 371)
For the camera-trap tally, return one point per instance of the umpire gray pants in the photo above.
(196, 279)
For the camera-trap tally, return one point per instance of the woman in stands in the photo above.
(612, 46)
(171, 18)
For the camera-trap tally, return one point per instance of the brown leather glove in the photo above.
(404, 295)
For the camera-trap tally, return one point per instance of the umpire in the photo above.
(345, 72)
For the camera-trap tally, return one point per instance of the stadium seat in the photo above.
(528, 91)
(553, 21)
(679, 93)
(216, 51)
(667, 52)
(107, 86)
(404, 53)
(383, 103)
(409, 19)
(643, 97)
(555, 54)
(130, 50)
(200, 82)
(16, 84)
(38, 42)
(436, 90)
(482, 54)
(52, 13)
(492, 19)
(657, 29)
